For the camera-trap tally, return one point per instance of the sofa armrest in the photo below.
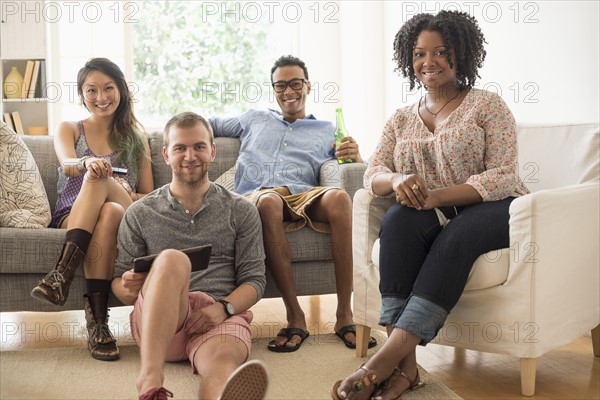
(346, 176)
(367, 214)
(554, 236)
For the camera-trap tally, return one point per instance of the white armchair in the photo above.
(543, 291)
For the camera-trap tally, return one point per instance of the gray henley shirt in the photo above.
(227, 221)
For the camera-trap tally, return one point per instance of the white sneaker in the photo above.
(249, 382)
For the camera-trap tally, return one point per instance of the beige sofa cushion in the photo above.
(23, 200)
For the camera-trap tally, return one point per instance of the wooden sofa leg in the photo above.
(363, 334)
(528, 376)
(596, 340)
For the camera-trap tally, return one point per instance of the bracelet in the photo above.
(81, 164)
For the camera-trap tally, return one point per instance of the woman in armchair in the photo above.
(450, 160)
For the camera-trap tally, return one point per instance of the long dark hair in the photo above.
(127, 136)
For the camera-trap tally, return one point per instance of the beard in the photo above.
(198, 177)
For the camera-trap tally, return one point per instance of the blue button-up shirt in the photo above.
(275, 153)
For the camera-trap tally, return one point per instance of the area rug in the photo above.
(70, 373)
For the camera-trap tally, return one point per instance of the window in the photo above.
(208, 57)
(202, 56)
(79, 31)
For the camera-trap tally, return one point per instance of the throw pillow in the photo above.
(227, 178)
(23, 199)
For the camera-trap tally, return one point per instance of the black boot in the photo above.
(101, 343)
(54, 287)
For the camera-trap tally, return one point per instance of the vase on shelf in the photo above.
(13, 84)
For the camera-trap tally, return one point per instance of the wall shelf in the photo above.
(23, 38)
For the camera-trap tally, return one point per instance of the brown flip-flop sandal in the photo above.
(341, 333)
(288, 333)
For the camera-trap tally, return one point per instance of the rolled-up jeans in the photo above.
(424, 265)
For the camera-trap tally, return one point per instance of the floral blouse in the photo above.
(476, 144)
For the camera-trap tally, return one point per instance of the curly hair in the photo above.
(127, 136)
(461, 35)
(286, 61)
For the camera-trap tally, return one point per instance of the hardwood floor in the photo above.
(571, 372)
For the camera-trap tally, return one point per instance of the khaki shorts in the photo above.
(297, 205)
(185, 345)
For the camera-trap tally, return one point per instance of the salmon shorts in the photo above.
(185, 345)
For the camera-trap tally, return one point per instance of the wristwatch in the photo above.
(229, 310)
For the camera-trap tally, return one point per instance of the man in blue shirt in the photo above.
(278, 169)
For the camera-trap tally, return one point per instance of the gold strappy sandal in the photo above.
(414, 384)
(367, 380)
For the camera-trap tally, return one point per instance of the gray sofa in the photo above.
(26, 255)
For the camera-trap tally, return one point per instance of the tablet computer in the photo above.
(199, 257)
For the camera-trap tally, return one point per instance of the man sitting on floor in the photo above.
(202, 315)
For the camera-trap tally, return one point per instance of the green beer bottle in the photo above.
(340, 131)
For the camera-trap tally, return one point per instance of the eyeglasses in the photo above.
(295, 84)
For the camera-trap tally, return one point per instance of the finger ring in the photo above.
(415, 186)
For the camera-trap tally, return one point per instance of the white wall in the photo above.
(79, 31)
(543, 57)
(344, 52)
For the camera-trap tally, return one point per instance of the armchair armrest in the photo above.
(554, 236)
(367, 214)
(345, 176)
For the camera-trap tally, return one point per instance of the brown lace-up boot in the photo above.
(101, 343)
(54, 287)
